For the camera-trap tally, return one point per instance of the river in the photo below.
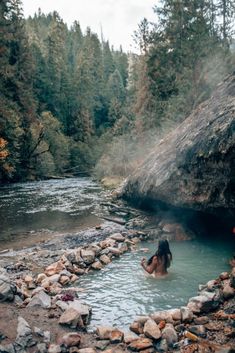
(32, 212)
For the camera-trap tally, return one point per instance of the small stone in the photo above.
(104, 332)
(41, 299)
(88, 256)
(96, 265)
(128, 338)
(116, 336)
(70, 339)
(137, 328)
(140, 344)
(64, 280)
(105, 259)
(102, 344)
(54, 348)
(114, 251)
(170, 335)
(151, 329)
(41, 277)
(186, 314)
(54, 268)
(72, 318)
(42, 348)
(118, 237)
(86, 350)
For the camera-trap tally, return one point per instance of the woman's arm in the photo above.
(149, 268)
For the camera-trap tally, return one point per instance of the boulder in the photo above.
(71, 339)
(193, 166)
(54, 348)
(140, 344)
(170, 335)
(7, 288)
(72, 318)
(41, 299)
(151, 329)
(88, 256)
(203, 303)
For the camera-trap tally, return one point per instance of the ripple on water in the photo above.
(122, 291)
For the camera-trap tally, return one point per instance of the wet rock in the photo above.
(162, 316)
(228, 291)
(54, 268)
(203, 303)
(232, 278)
(136, 327)
(116, 336)
(151, 329)
(54, 348)
(72, 318)
(88, 256)
(170, 335)
(114, 251)
(70, 339)
(140, 344)
(129, 337)
(41, 299)
(24, 336)
(96, 265)
(186, 314)
(104, 332)
(7, 288)
(105, 259)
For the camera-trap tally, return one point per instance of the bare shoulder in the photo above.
(155, 260)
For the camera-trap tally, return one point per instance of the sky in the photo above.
(118, 18)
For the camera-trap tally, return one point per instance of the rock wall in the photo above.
(194, 166)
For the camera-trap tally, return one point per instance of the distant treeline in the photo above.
(68, 100)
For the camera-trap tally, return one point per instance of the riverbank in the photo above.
(73, 255)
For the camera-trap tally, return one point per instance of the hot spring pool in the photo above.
(122, 291)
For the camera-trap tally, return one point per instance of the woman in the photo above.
(158, 264)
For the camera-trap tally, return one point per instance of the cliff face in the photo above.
(194, 166)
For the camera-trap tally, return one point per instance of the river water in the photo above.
(32, 212)
(122, 291)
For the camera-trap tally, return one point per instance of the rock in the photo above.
(70, 339)
(64, 280)
(46, 336)
(102, 344)
(170, 335)
(201, 320)
(129, 337)
(162, 346)
(232, 278)
(198, 330)
(107, 242)
(54, 268)
(88, 256)
(86, 350)
(96, 265)
(24, 336)
(116, 336)
(114, 251)
(224, 275)
(72, 318)
(203, 303)
(212, 285)
(186, 314)
(54, 279)
(42, 348)
(140, 344)
(54, 348)
(105, 259)
(118, 237)
(137, 328)
(83, 309)
(183, 169)
(8, 348)
(41, 299)
(165, 315)
(104, 332)
(151, 329)
(7, 288)
(228, 291)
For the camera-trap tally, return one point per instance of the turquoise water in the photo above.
(122, 291)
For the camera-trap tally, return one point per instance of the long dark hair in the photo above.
(162, 252)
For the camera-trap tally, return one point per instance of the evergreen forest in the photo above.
(71, 104)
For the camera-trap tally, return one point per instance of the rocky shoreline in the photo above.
(41, 311)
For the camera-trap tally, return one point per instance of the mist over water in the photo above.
(122, 290)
